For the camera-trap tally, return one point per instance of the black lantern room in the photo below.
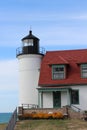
(30, 45)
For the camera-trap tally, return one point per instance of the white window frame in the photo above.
(58, 74)
(83, 70)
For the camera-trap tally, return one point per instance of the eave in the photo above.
(53, 89)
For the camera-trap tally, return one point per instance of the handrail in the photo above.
(76, 108)
(29, 106)
(12, 121)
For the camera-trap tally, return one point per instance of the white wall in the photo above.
(29, 69)
(48, 100)
(64, 98)
(82, 96)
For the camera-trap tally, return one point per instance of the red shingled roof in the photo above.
(71, 58)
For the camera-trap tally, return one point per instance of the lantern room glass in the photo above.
(28, 42)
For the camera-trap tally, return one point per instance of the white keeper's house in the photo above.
(51, 79)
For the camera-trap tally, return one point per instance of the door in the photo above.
(57, 99)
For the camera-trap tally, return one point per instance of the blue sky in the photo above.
(60, 24)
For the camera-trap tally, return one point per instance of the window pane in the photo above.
(74, 97)
(55, 69)
(84, 70)
(58, 76)
(84, 75)
(60, 69)
(58, 72)
(25, 44)
(28, 42)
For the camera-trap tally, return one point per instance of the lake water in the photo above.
(5, 117)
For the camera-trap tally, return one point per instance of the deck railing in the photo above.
(29, 106)
(12, 121)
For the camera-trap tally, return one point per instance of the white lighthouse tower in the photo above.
(29, 56)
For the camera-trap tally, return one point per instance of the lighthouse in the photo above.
(29, 58)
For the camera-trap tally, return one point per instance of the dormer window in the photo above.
(58, 71)
(84, 70)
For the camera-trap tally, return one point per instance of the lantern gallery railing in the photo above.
(20, 51)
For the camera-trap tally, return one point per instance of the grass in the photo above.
(69, 124)
(3, 126)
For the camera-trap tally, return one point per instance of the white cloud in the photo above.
(80, 16)
(8, 75)
(21, 16)
(8, 85)
(54, 27)
(49, 34)
(64, 36)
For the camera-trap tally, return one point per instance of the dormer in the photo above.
(58, 72)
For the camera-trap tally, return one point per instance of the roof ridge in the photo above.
(67, 50)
